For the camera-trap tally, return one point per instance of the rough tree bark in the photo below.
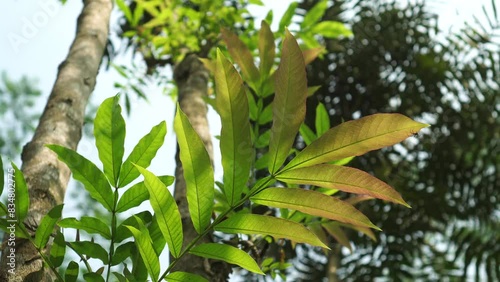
(61, 123)
(192, 78)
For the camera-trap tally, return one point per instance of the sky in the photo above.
(35, 37)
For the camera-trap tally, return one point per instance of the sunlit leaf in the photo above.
(313, 203)
(266, 50)
(289, 102)
(166, 211)
(46, 226)
(22, 199)
(354, 138)
(109, 132)
(268, 225)
(198, 171)
(138, 193)
(88, 174)
(228, 254)
(143, 243)
(286, 19)
(236, 143)
(343, 178)
(143, 153)
(180, 276)
(314, 14)
(331, 29)
(91, 225)
(242, 56)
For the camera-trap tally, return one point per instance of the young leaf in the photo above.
(286, 19)
(343, 178)
(22, 199)
(198, 171)
(356, 137)
(166, 211)
(180, 276)
(322, 120)
(367, 231)
(143, 153)
(88, 174)
(289, 102)
(109, 132)
(242, 56)
(228, 254)
(143, 243)
(266, 50)
(333, 228)
(72, 270)
(90, 249)
(313, 203)
(236, 143)
(331, 29)
(314, 14)
(91, 225)
(46, 226)
(58, 250)
(310, 55)
(123, 233)
(268, 225)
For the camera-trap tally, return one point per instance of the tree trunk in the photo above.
(61, 123)
(333, 263)
(192, 78)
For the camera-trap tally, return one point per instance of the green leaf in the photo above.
(198, 172)
(307, 134)
(286, 19)
(313, 203)
(333, 228)
(242, 56)
(22, 199)
(46, 226)
(267, 50)
(322, 120)
(125, 9)
(72, 270)
(266, 115)
(354, 138)
(58, 250)
(109, 132)
(236, 144)
(331, 29)
(268, 225)
(263, 139)
(180, 276)
(138, 193)
(2, 181)
(88, 174)
(289, 102)
(91, 225)
(93, 277)
(166, 211)
(143, 153)
(228, 254)
(156, 236)
(143, 243)
(343, 178)
(90, 249)
(123, 233)
(122, 252)
(314, 14)
(120, 277)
